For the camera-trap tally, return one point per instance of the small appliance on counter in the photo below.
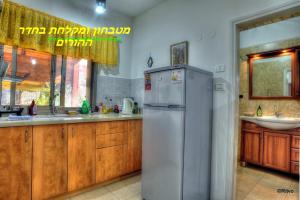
(127, 107)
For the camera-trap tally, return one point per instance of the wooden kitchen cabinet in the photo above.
(252, 147)
(50, 161)
(133, 149)
(277, 151)
(81, 155)
(110, 163)
(111, 139)
(15, 163)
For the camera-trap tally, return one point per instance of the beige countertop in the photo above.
(65, 119)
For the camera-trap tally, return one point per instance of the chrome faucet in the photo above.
(277, 113)
(52, 107)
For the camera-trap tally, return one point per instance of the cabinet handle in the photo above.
(26, 135)
(63, 133)
(99, 158)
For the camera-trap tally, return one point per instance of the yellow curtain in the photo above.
(13, 16)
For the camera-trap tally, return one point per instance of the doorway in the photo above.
(253, 36)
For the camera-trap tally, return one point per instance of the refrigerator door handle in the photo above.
(175, 106)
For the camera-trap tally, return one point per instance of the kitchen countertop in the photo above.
(65, 119)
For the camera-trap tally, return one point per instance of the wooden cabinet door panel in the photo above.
(295, 155)
(109, 140)
(295, 167)
(15, 163)
(295, 141)
(109, 163)
(133, 158)
(252, 147)
(81, 155)
(111, 127)
(50, 162)
(277, 151)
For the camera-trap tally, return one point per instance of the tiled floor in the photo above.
(262, 184)
(252, 184)
(129, 189)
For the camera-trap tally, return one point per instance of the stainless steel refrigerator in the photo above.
(177, 119)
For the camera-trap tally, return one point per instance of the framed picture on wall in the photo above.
(179, 53)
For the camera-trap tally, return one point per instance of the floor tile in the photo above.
(262, 184)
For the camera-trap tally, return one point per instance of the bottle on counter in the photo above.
(259, 111)
(135, 109)
(100, 107)
(32, 109)
(85, 108)
(116, 109)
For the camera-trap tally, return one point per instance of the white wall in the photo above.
(207, 27)
(66, 10)
(283, 30)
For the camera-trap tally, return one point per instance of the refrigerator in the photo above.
(177, 132)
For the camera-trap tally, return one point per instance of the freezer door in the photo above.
(167, 88)
(162, 154)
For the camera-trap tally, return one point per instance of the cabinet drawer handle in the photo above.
(26, 136)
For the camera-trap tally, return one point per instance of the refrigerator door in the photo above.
(167, 88)
(163, 138)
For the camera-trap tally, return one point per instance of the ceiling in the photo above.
(129, 8)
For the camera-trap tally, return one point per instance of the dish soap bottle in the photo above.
(259, 112)
(85, 108)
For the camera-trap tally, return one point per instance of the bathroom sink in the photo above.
(276, 123)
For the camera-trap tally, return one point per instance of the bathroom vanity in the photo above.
(275, 149)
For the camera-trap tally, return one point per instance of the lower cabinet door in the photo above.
(295, 168)
(15, 163)
(252, 147)
(109, 163)
(276, 151)
(133, 149)
(50, 161)
(81, 155)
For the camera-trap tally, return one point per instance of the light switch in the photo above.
(220, 87)
(220, 68)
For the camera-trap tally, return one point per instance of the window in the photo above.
(33, 75)
(77, 80)
(7, 76)
(57, 81)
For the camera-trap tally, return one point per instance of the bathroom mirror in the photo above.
(272, 75)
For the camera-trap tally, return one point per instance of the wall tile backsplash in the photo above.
(118, 88)
(137, 90)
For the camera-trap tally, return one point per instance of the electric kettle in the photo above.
(127, 107)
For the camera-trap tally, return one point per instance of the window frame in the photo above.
(46, 108)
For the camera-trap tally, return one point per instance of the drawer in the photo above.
(295, 167)
(111, 127)
(295, 155)
(296, 141)
(110, 140)
(250, 126)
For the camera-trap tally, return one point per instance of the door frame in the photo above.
(233, 113)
